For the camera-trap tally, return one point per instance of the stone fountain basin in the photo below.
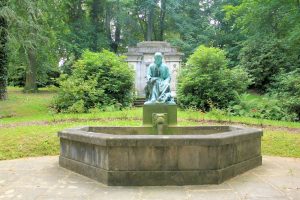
(185, 155)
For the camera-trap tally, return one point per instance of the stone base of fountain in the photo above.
(169, 110)
(128, 156)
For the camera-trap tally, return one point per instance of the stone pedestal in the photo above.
(150, 109)
(141, 56)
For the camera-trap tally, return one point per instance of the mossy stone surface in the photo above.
(150, 109)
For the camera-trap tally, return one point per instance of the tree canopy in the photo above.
(261, 36)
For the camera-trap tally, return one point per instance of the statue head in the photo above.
(158, 58)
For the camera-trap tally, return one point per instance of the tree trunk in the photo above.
(96, 13)
(162, 19)
(117, 39)
(143, 26)
(30, 83)
(75, 15)
(3, 58)
(108, 17)
(150, 23)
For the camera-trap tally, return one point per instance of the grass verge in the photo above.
(27, 128)
(39, 140)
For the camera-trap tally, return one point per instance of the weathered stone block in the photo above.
(148, 158)
(170, 158)
(227, 155)
(188, 158)
(246, 149)
(101, 157)
(117, 158)
(208, 157)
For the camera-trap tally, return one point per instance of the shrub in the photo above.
(45, 76)
(264, 59)
(206, 80)
(98, 80)
(287, 90)
(265, 108)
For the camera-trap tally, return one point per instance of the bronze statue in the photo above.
(158, 84)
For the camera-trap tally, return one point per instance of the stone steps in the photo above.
(139, 102)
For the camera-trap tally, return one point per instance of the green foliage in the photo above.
(227, 35)
(207, 81)
(16, 76)
(264, 59)
(45, 77)
(97, 25)
(32, 38)
(191, 23)
(264, 108)
(261, 36)
(271, 29)
(287, 90)
(32, 130)
(267, 17)
(98, 80)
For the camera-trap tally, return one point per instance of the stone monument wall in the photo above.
(141, 56)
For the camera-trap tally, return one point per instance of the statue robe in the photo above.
(158, 90)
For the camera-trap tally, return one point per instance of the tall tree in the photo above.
(151, 17)
(190, 25)
(162, 17)
(3, 51)
(113, 24)
(32, 39)
(227, 35)
(272, 30)
(96, 15)
(79, 28)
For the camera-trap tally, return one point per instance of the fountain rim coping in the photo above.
(106, 139)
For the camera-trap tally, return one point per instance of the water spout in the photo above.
(159, 122)
(160, 129)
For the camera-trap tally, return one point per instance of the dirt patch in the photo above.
(7, 116)
(62, 121)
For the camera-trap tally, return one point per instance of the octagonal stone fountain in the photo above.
(181, 155)
(160, 152)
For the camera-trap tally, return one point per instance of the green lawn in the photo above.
(28, 128)
(24, 105)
